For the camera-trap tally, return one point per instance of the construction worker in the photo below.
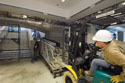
(113, 55)
(36, 51)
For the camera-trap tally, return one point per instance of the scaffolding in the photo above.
(16, 52)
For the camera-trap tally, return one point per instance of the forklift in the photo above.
(81, 53)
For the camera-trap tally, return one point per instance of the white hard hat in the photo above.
(103, 36)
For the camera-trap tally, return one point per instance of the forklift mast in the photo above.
(78, 37)
(78, 43)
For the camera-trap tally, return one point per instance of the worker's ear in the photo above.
(97, 45)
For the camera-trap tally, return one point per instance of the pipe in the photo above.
(40, 26)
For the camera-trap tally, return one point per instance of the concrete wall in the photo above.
(56, 35)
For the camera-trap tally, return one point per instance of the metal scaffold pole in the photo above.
(19, 42)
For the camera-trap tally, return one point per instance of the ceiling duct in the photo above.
(40, 26)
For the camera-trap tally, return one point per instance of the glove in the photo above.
(116, 79)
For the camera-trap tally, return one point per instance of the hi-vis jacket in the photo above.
(115, 55)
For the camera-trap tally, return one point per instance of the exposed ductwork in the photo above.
(40, 26)
(102, 4)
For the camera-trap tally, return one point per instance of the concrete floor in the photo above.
(12, 71)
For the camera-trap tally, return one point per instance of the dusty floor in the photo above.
(12, 71)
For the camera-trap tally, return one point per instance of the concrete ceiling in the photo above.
(63, 5)
(68, 11)
(55, 7)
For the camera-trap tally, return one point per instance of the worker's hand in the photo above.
(35, 46)
(116, 79)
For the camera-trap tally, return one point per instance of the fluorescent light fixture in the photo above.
(113, 23)
(63, 0)
(24, 16)
(123, 3)
(105, 14)
(116, 14)
(33, 22)
(99, 11)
